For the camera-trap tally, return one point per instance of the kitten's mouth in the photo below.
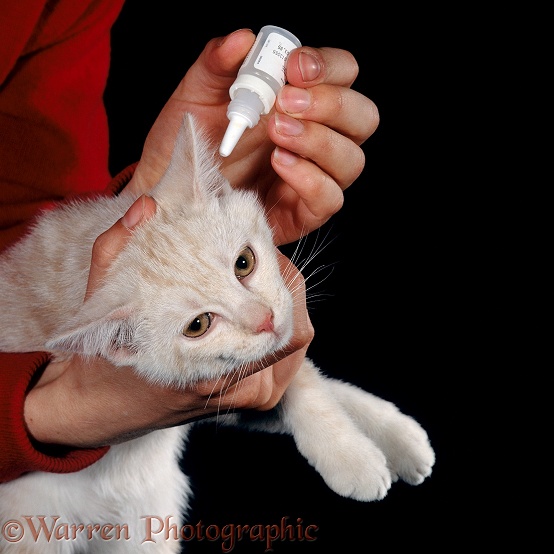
(233, 361)
(252, 364)
(249, 369)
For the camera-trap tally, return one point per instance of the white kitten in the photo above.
(196, 294)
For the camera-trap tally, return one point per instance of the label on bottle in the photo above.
(273, 55)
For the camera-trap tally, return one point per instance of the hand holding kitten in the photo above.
(84, 403)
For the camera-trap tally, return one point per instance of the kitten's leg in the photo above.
(349, 461)
(401, 438)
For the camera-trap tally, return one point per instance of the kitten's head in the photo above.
(198, 291)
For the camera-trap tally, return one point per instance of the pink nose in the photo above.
(267, 324)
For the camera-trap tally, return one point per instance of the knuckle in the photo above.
(357, 163)
(100, 251)
(109, 244)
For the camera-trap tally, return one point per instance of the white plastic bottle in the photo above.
(259, 79)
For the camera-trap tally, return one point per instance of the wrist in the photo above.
(41, 410)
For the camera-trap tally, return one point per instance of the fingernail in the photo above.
(284, 157)
(309, 66)
(286, 125)
(222, 40)
(134, 214)
(294, 100)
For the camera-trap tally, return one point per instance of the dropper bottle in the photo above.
(260, 77)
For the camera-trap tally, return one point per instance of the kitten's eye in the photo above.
(198, 326)
(245, 263)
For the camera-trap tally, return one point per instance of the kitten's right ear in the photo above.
(111, 337)
(193, 175)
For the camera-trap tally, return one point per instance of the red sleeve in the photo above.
(54, 62)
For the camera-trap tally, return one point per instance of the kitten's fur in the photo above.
(180, 264)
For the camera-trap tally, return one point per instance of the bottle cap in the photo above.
(243, 111)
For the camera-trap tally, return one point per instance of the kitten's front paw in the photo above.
(354, 468)
(400, 437)
(408, 450)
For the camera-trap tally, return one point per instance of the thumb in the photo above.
(208, 80)
(203, 91)
(110, 243)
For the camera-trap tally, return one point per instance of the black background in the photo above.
(388, 321)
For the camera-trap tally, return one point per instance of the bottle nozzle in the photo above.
(243, 111)
(235, 129)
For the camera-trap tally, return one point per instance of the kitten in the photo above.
(189, 298)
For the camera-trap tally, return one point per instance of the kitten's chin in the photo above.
(252, 359)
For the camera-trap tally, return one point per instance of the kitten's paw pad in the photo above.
(357, 471)
(408, 451)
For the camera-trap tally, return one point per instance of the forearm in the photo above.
(19, 453)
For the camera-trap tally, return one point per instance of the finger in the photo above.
(110, 243)
(314, 176)
(284, 371)
(296, 284)
(342, 109)
(304, 201)
(208, 80)
(251, 392)
(307, 67)
(333, 153)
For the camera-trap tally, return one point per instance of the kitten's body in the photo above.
(179, 265)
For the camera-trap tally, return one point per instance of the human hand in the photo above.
(88, 402)
(300, 157)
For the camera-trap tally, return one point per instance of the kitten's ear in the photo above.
(193, 175)
(111, 336)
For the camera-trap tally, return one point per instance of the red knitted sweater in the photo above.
(53, 144)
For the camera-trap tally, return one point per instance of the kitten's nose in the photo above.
(257, 317)
(267, 324)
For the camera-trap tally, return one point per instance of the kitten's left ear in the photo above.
(193, 175)
(111, 336)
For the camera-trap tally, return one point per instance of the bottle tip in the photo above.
(235, 129)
